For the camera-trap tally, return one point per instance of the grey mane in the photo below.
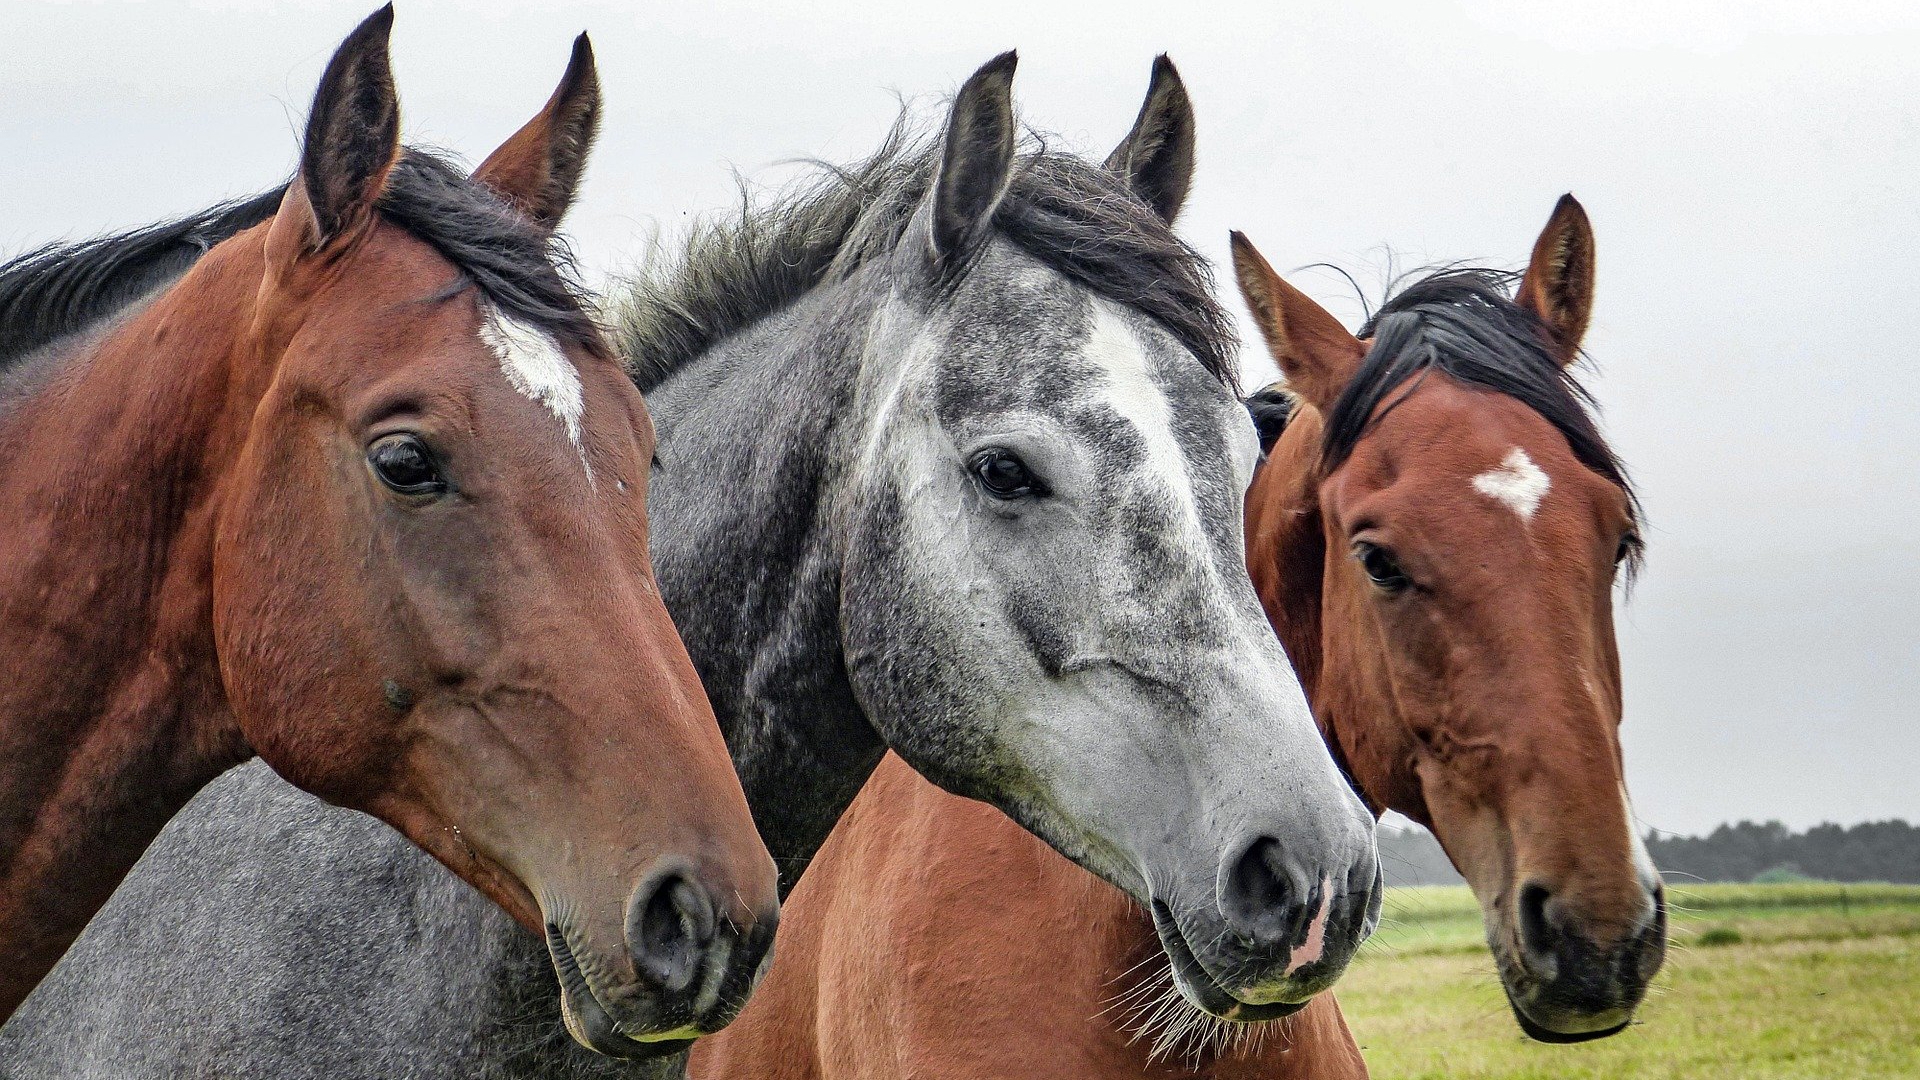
(1074, 216)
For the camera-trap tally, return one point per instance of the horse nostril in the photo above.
(1259, 898)
(670, 926)
(1538, 937)
(695, 908)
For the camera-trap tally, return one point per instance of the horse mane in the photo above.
(59, 290)
(62, 289)
(1074, 216)
(527, 272)
(1463, 322)
(1272, 406)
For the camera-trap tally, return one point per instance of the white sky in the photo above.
(1749, 166)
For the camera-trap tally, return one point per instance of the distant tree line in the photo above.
(1874, 851)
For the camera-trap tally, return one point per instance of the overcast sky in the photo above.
(1750, 167)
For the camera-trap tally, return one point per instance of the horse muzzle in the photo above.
(1565, 986)
(1281, 937)
(692, 966)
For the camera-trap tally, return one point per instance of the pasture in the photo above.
(1764, 982)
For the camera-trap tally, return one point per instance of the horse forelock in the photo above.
(525, 272)
(1463, 323)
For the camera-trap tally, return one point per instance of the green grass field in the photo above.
(1763, 982)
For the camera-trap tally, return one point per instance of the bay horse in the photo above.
(951, 461)
(1504, 703)
(1436, 535)
(362, 491)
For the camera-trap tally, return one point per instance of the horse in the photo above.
(951, 461)
(1435, 533)
(362, 491)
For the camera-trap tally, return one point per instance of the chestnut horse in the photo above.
(363, 493)
(1436, 536)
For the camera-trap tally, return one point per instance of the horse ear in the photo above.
(537, 171)
(976, 163)
(1558, 286)
(1314, 351)
(1156, 157)
(353, 132)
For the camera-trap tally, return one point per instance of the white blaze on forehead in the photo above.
(1518, 483)
(534, 365)
(1116, 350)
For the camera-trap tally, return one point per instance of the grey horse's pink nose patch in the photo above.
(1310, 950)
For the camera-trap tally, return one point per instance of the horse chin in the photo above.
(589, 1022)
(1540, 1009)
(1540, 1033)
(1199, 986)
(1572, 1027)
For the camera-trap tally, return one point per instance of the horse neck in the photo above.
(112, 714)
(754, 437)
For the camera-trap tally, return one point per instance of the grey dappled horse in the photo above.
(950, 461)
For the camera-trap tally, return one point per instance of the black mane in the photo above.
(1464, 324)
(59, 290)
(1271, 407)
(1076, 217)
(527, 273)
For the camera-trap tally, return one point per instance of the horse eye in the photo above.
(403, 464)
(1004, 475)
(1381, 569)
(1629, 544)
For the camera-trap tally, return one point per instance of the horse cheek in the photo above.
(301, 686)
